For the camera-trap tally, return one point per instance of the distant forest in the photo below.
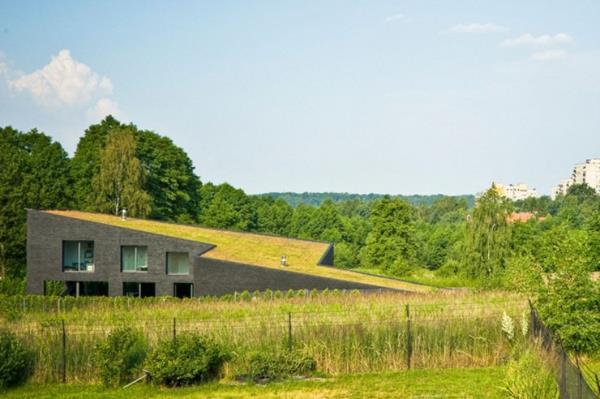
(316, 199)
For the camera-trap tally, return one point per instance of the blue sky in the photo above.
(358, 96)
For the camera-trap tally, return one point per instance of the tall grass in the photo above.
(344, 332)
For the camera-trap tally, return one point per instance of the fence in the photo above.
(411, 336)
(572, 383)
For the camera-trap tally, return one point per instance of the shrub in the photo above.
(528, 377)
(12, 286)
(187, 360)
(274, 366)
(121, 355)
(16, 361)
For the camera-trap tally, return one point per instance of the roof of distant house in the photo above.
(523, 217)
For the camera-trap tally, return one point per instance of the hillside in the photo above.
(315, 199)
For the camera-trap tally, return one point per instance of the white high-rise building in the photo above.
(583, 173)
(516, 192)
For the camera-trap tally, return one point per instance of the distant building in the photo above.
(515, 192)
(583, 173)
(522, 217)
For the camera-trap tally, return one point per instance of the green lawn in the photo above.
(437, 383)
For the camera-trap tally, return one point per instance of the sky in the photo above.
(398, 97)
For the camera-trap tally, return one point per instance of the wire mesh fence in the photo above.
(572, 382)
(340, 341)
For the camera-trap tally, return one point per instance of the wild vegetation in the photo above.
(343, 332)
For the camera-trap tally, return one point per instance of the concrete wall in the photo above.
(45, 235)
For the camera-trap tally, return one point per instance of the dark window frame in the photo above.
(145, 270)
(167, 263)
(79, 257)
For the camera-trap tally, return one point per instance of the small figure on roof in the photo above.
(283, 261)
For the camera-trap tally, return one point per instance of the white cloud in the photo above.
(394, 17)
(102, 108)
(528, 39)
(63, 82)
(477, 28)
(549, 55)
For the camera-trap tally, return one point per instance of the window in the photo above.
(134, 259)
(87, 288)
(78, 256)
(141, 290)
(178, 263)
(183, 290)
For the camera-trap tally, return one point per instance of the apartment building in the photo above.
(516, 192)
(583, 173)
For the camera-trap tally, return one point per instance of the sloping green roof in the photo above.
(254, 249)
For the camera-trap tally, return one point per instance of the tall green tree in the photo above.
(391, 244)
(119, 181)
(34, 173)
(488, 236)
(86, 161)
(229, 208)
(170, 181)
(273, 216)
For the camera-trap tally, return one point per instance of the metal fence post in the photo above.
(64, 352)
(408, 337)
(174, 329)
(290, 331)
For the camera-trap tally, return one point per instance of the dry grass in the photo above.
(254, 249)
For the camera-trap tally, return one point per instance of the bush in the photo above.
(187, 360)
(16, 361)
(121, 355)
(12, 286)
(400, 268)
(528, 377)
(274, 366)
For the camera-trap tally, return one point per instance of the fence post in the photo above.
(174, 329)
(580, 379)
(64, 352)
(408, 338)
(290, 331)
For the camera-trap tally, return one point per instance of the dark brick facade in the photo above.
(217, 277)
(46, 233)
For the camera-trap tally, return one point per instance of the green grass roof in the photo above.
(255, 249)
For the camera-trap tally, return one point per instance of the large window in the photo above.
(134, 259)
(139, 289)
(78, 256)
(183, 290)
(178, 263)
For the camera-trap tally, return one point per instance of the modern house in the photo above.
(96, 254)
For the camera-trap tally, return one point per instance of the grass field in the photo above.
(255, 249)
(433, 383)
(344, 332)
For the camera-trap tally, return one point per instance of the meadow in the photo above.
(345, 332)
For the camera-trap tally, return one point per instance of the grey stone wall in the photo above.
(45, 235)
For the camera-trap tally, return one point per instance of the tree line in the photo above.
(116, 166)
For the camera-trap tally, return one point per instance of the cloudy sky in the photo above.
(358, 96)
